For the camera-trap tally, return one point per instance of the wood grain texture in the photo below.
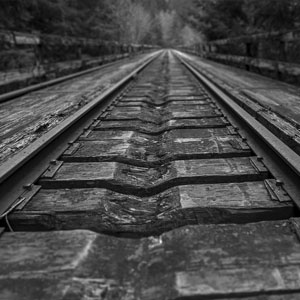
(150, 151)
(203, 261)
(151, 128)
(28, 117)
(155, 116)
(103, 210)
(273, 103)
(144, 181)
(130, 101)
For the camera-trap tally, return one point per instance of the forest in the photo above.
(159, 22)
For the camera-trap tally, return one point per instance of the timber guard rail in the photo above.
(272, 54)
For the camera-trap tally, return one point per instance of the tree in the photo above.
(132, 21)
(272, 15)
(190, 36)
(14, 15)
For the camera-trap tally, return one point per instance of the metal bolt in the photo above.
(27, 186)
(70, 143)
(279, 183)
(53, 162)
(259, 158)
(245, 140)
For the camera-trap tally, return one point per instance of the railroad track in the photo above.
(165, 189)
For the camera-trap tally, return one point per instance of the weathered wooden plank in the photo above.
(151, 128)
(30, 116)
(266, 98)
(96, 135)
(239, 169)
(200, 133)
(191, 107)
(175, 91)
(142, 85)
(128, 98)
(109, 135)
(204, 261)
(187, 107)
(31, 260)
(273, 103)
(289, 72)
(183, 94)
(182, 89)
(147, 115)
(246, 87)
(209, 113)
(145, 151)
(158, 116)
(186, 97)
(106, 150)
(102, 210)
(145, 181)
(185, 86)
(191, 148)
(283, 35)
(168, 104)
(122, 110)
(184, 101)
(172, 106)
(134, 104)
(284, 129)
(145, 93)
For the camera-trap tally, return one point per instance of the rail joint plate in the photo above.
(52, 169)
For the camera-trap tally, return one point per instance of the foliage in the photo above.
(63, 17)
(228, 18)
(132, 21)
(271, 15)
(166, 22)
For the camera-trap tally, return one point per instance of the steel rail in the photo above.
(26, 166)
(283, 153)
(20, 92)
